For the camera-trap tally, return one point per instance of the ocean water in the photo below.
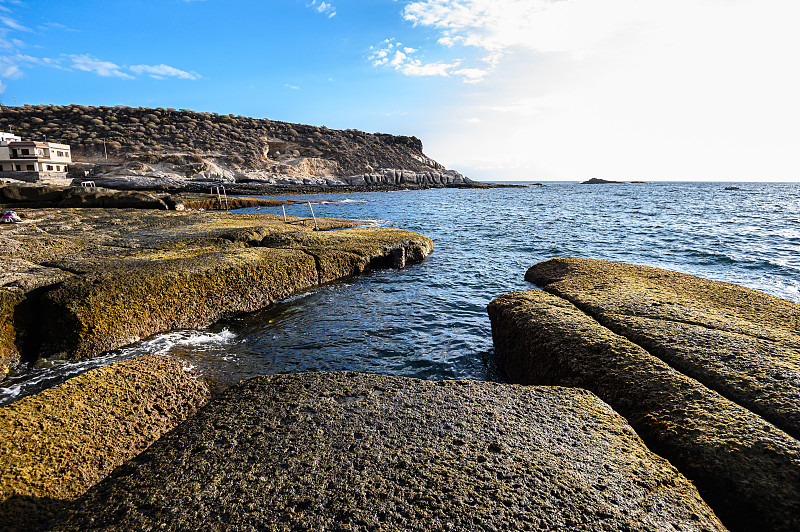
(429, 320)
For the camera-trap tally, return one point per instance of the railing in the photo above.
(29, 156)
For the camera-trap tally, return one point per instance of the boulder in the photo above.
(663, 349)
(58, 443)
(740, 342)
(347, 451)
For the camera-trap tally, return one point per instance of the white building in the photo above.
(27, 160)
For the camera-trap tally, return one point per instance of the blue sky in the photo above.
(498, 89)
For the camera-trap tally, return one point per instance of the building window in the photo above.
(49, 167)
(1, 167)
(31, 168)
(19, 168)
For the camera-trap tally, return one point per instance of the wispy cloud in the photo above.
(293, 87)
(323, 8)
(13, 24)
(55, 26)
(89, 63)
(163, 71)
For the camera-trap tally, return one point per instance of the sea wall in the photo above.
(348, 451)
(58, 443)
(706, 372)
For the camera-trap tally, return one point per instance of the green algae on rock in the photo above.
(347, 451)
(56, 444)
(745, 467)
(108, 278)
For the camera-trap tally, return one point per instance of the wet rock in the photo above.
(665, 350)
(347, 451)
(58, 443)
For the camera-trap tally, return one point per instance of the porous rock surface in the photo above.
(347, 451)
(78, 282)
(666, 350)
(56, 444)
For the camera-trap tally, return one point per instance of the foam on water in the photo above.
(48, 373)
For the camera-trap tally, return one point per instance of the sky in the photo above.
(496, 89)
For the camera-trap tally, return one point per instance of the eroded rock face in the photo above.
(691, 364)
(124, 275)
(56, 196)
(346, 451)
(58, 443)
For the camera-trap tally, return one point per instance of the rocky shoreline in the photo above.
(78, 282)
(705, 373)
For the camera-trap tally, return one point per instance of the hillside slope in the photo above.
(171, 146)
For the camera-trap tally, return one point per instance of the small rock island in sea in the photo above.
(641, 399)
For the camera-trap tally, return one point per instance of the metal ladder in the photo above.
(221, 195)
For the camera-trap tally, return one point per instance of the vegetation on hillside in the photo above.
(180, 136)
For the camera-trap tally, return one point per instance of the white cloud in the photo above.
(402, 58)
(323, 8)
(163, 71)
(88, 63)
(644, 89)
(9, 69)
(13, 24)
(293, 87)
(55, 26)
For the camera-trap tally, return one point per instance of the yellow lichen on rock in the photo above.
(702, 381)
(137, 273)
(56, 444)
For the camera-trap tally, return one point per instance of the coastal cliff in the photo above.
(127, 147)
(706, 372)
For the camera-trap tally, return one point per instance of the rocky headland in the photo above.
(707, 373)
(143, 148)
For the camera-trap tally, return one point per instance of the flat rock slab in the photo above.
(348, 451)
(667, 351)
(56, 444)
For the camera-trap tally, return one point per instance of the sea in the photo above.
(429, 320)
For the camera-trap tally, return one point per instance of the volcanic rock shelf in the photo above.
(708, 373)
(348, 451)
(77, 282)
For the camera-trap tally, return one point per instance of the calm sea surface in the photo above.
(430, 321)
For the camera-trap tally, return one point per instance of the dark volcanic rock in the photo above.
(597, 181)
(346, 451)
(682, 359)
(53, 196)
